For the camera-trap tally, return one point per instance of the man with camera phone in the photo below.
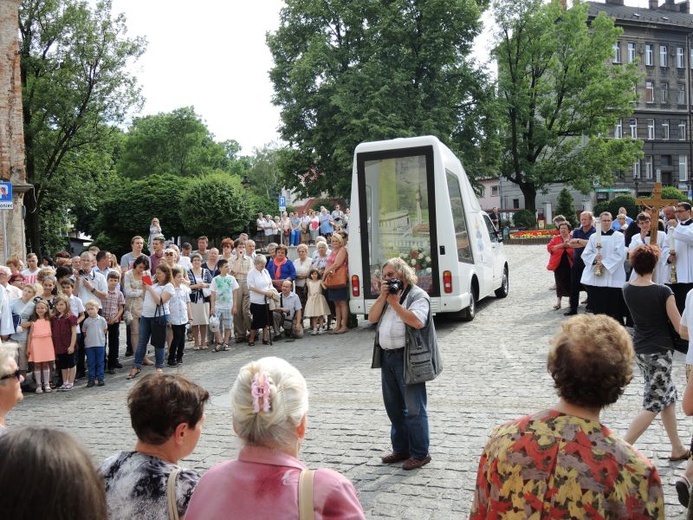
(406, 352)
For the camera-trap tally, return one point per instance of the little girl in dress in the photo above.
(40, 345)
(154, 229)
(316, 304)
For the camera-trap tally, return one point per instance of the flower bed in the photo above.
(533, 236)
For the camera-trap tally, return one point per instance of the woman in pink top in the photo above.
(270, 404)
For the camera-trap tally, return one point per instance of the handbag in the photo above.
(337, 279)
(159, 328)
(171, 495)
(305, 495)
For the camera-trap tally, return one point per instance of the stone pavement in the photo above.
(495, 371)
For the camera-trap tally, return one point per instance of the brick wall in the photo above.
(11, 131)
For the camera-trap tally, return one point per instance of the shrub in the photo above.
(524, 219)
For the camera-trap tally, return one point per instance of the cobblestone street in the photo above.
(495, 370)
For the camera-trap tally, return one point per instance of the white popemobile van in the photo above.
(411, 198)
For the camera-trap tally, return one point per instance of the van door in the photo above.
(397, 198)
(496, 248)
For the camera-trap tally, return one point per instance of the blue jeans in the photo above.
(145, 334)
(95, 362)
(405, 406)
(295, 237)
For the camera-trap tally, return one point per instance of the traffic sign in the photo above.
(6, 195)
(282, 204)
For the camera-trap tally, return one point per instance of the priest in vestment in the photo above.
(605, 290)
(682, 256)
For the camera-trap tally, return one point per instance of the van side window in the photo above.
(492, 233)
(464, 248)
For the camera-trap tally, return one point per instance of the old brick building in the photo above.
(12, 238)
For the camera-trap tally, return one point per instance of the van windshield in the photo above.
(397, 218)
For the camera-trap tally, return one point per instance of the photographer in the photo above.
(288, 317)
(405, 329)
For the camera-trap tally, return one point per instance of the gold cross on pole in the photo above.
(654, 204)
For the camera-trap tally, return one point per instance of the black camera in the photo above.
(394, 285)
(82, 272)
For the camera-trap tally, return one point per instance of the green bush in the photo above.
(524, 219)
(565, 207)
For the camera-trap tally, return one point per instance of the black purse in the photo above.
(159, 326)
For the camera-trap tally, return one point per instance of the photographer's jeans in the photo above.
(145, 335)
(405, 406)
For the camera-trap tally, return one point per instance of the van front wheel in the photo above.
(503, 290)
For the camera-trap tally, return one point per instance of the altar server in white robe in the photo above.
(661, 273)
(605, 290)
(682, 256)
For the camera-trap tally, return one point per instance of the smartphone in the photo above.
(146, 279)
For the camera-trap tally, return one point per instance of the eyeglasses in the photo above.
(168, 254)
(16, 374)
(390, 274)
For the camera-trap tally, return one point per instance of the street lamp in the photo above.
(636, 181)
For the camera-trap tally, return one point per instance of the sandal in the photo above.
(686, 455)
(159, 370)
(556, 307)
(134, 373)
(251, 343)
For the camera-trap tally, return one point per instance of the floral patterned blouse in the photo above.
(552, 465)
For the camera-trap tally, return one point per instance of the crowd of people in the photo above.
(643, 285)
(65, 315)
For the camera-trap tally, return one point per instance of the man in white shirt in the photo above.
(682, 256)
(32, 269)
(288, 317)
(89, 284)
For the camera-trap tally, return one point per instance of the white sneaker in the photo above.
(321, 331)
(38, 390)
(314, 332)
(47, 389)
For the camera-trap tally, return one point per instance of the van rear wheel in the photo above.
(469, 313)
(503, 290)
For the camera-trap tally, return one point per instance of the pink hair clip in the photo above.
(261, 392)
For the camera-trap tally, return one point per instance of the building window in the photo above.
(681, 94)
(494, 191)
(636, 169)
(665, 130)
(663, 56)
(679, 58)
(665, 93)
(690, 59)
(648, 167)
(516, 203)
(649, 54)
(682, 130)
(683, 168)
(617, 52)
(631, 52)
(634, 128)
(618, 129)
(649, 92)
(650, 129)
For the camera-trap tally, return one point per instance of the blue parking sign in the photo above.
(282, 204)
(6, 195)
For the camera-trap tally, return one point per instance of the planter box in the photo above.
(529, 241)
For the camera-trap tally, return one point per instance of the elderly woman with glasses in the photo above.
(10, 384)
(270, 408)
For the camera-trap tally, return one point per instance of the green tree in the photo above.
(128, 206)
(559, 97)
(565, 206)
(670, 192)
(76, 90)
(216, 205)
(346, 72)
(177, 142)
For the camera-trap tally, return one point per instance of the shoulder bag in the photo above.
(305, 495)
(159, 328)
(337, 279)
(171, 495)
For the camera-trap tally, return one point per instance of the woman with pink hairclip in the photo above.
(270, 405)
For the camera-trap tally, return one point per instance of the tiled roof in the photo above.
(670, 19)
